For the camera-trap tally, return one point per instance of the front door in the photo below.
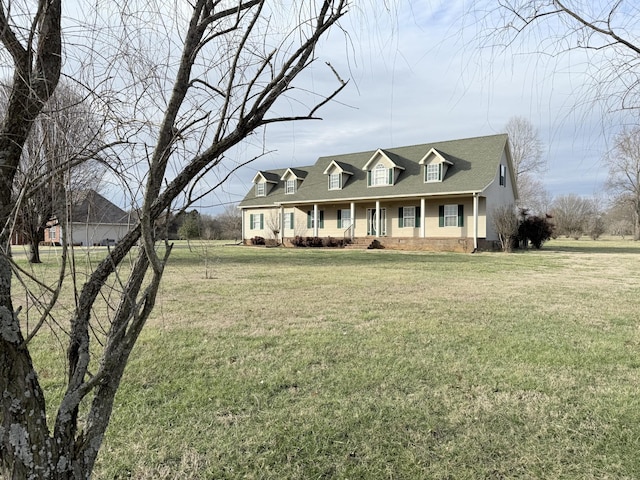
(372, 221)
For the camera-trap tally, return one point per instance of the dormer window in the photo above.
(335, 181)
(436, 165)
(383, 169)
(433, 172)
(338, 174)
(264, 181)
(292, 179)
(381, 175)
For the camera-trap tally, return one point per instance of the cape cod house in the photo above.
(435, 196)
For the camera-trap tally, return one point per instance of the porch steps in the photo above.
(359, 243)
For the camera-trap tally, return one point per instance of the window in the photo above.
(503, 175)
(256, 221)
(433, 172)
(335, 181)
(344, 218)
(409, 217)
(290, 187)
(52, 233)
(380, 175)
(288, 221)
(320, 219)
(261, 189)
(451, 216)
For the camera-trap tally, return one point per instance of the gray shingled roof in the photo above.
(475, 164)
(91, 207)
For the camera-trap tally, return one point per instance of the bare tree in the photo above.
(624, 172)
(272, 221)
(56, 152)
(231, 222)
(505, 221)
(526, 154)
(526, 146)
(179, 116)
(619, 217)
(572, 214)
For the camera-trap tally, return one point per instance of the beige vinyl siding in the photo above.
(270, 215)
(497, 195)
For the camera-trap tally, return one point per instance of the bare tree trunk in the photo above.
(35, 237)
(26, 449)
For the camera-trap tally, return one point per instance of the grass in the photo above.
(284, 363)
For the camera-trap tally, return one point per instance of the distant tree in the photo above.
(210, 227)
(190, 228)
(231, 222)
(571, 215)
(619, 217)
(526, 146)
(526, 154)
(59, 150)
(505, 221)
(624, 173)
(534, 196)
(596, 226)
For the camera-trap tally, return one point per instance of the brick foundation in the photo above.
(462, 245)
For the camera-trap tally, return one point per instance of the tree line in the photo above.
(616, 211)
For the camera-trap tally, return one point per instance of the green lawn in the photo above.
(270, 363)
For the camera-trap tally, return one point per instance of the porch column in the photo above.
(377, 218)
(282, 224)
(423, 227)
(475, 221)
(315, 219)
(353, 220)
(242, 225)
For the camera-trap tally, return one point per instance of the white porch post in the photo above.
(315, 219)
(423, 227)
(282, 224)
(242, 223)
(475, 221)
(353, 219)
(377, 218)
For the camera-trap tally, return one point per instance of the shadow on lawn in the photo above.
(593, 247)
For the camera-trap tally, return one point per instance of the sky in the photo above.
(417, 74)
